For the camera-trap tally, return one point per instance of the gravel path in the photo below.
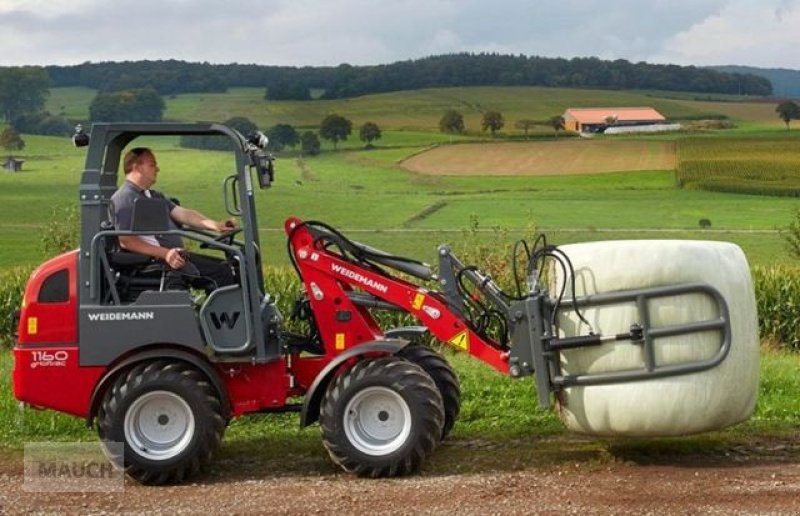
(756, 480)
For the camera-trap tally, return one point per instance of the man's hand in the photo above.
(175, 258)
(224, 226)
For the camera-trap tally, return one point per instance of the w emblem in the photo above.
(224, 319)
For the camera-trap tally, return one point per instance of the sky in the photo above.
(763, 33)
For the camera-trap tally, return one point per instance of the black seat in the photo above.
(133, 273)
(136, 273)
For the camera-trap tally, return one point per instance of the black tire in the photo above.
(167, 415)
(382, 418)
(443, 376)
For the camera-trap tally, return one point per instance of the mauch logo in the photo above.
(224, 319)
(75, 467)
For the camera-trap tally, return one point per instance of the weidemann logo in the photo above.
(359, 278)
(121, 316)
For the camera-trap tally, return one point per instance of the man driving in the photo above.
(199, 271)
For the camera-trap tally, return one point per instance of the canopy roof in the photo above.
(622, 114)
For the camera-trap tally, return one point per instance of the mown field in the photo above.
(553, 158)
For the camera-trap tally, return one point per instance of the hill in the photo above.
(785, 83)
(406, 110)
(346, 81)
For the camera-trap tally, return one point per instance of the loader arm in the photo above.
(340, 290)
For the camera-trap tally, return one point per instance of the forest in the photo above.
(169, 77)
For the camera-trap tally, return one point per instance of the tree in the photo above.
(282, 135)
(369, 132)
(23, 91)
(451, 122)
(43, 123)
(525, 125)
(492, 120)
(242, 124)
(285, 89)
(335, 128)
(787, 111)
(10, 140)
(557, 123)
(309, 143)
(127, 106)
(217, 141)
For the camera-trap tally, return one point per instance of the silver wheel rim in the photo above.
(377, 421)
(159, 425)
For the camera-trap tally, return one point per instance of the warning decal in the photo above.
(461, 341)
(419, 299)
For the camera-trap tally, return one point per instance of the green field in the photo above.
(407, 110)
(405, 212)
(371, 195)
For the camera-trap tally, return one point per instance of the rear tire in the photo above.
(443, 376)
(168, 417)
(382, 418)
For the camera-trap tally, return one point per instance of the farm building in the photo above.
(13, 165)
(596, 120)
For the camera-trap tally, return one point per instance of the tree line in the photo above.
(333, 127)
(465, 69)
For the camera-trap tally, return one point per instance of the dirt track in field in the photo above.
(543, 158)
(755, 478)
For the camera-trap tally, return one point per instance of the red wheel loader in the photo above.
(100, 337)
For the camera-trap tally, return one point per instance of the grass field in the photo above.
(410, 213)
(407, 110)
(493, 406)
(405, 212)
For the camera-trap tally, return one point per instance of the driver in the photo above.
(199, 271)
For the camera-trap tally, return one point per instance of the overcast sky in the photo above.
(763, 33)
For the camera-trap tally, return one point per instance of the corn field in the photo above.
(759, 166)
(778, 303)
(777, 291)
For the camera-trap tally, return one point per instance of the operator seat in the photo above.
(135, 273)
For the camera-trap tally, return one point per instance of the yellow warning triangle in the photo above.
(461, 341)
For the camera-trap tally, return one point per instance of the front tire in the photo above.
(382, 418)
(443, 376)
(169, 419)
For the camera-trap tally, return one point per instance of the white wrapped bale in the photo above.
(680, 405)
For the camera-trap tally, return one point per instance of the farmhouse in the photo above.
(597, 120)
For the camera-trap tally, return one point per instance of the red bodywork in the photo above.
(46, 366)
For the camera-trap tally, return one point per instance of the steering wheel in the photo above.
(227, 237)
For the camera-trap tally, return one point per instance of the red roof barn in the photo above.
(592, 120)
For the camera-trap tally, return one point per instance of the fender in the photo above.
(407, 332)
(313, 399)
(203, 365)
